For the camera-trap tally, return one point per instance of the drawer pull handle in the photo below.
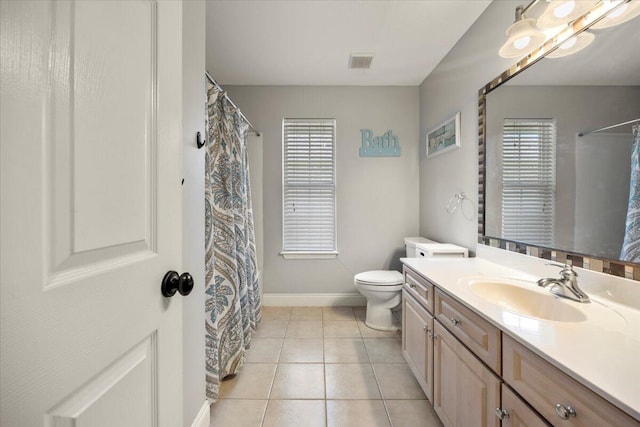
(411, 285)
(502, 413)
(565, 412)
(455, 321)
(426, 328)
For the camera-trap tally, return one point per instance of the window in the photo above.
(309, 188)
(528, 180)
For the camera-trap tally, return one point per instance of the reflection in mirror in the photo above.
(559, 148)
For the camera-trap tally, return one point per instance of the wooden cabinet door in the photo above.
(417, 346)
(465, 392)
(518, 413)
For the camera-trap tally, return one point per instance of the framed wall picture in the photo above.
(444, 137)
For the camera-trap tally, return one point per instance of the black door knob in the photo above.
(172, 283)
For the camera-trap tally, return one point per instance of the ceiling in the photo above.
(305, 42)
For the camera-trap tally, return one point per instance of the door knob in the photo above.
(172, 283)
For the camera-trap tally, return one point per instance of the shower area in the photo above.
(233, 300)
(607, 196)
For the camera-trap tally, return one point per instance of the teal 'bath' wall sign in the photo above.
(387, 145)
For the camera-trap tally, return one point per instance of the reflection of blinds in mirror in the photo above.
(528, 180)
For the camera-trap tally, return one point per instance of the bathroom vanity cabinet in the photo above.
(475, 374)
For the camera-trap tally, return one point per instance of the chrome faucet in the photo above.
(566, 286)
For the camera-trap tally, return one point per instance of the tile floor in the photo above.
(322, 366)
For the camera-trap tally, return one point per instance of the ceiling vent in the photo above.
(360, 60)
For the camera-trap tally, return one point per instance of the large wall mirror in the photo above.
(556, 142)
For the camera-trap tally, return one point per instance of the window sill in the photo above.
(309, 255)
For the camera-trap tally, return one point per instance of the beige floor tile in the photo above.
(264, 350)
(295, 413)
(384, 350)
(345, 350)
(351, 381)
(360, 312)
(364, 413)
(304, 329)
(338, 313)
(306, 313)
(299, 381)
(276, 313)
(412, 413)
(368, 332)
(271, 329)
(302, 350)
(252, 382)
(341, 329)
(396, 381)
(237, 413)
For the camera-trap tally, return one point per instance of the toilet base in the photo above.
(380, 318)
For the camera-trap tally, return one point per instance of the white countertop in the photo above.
(602, 352)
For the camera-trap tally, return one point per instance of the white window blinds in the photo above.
(309, 185)
(528, 180)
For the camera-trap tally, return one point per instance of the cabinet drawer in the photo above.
(544, 386)
(482, 338)
(420, 288)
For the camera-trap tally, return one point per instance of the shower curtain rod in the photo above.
(215, 83)
(608, 127)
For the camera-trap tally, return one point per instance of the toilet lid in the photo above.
(380, 277)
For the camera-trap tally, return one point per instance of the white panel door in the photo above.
(90, 168)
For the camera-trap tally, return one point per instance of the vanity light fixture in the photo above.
(622, 13)
(556, 26)
(573, 45)
(523, 35)
(561, 12)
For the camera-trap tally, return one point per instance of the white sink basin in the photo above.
(524, 301)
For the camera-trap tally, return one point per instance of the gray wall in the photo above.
(377, 198)
(193, 104)
(453, 86)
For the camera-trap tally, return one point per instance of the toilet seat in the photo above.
(379, 278)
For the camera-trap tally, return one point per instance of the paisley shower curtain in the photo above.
(631, 245)
(233, 306)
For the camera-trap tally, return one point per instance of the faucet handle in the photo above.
(557, 264)
(567, 269)
(568, 272)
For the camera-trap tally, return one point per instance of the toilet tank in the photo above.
(410, 245)
(440, 250)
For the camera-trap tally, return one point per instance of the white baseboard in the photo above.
(203, 419)
(315, 300)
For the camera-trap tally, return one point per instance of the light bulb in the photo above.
(564, 9)
(619, 11)
(522, 42)
(569, 43)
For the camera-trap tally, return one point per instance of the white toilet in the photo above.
(383, 290)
